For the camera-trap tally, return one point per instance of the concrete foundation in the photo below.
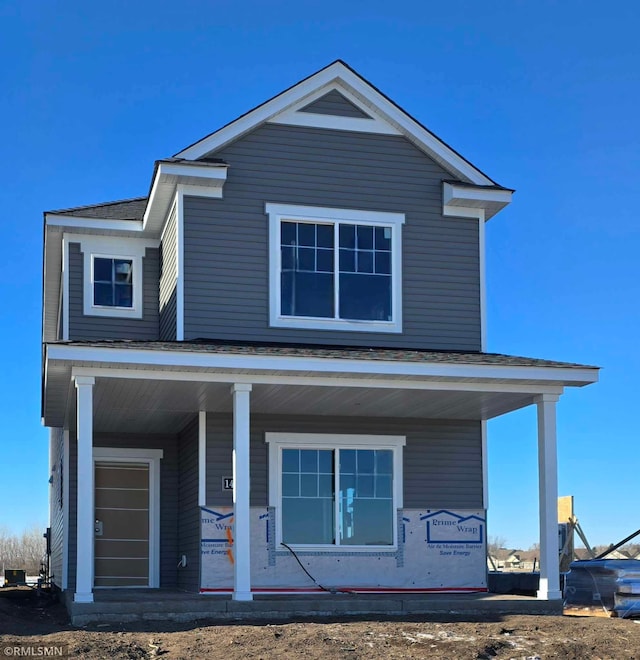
(127, 606)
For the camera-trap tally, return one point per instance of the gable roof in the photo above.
(341, 77)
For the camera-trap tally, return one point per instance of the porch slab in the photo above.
(129, 606)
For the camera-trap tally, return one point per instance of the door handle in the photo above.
(98, 527)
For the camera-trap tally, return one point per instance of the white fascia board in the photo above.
(460, 194)
(78, 222)
(257, 363)
(218, 173)
(122, 245)
(342, 76)
(235, 378)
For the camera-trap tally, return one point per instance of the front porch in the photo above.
(217, 408)
(133, 605)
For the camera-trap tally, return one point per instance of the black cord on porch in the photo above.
(331, 591)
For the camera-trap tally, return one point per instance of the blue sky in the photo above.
(542, 95)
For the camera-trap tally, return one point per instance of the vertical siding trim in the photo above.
(202, 458)
(65, 287)
(180, 264)
(483, 281)
(66, 488)
(485, 465)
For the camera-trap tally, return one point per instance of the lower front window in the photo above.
(337, 496)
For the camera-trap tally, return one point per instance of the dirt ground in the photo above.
(25, 618)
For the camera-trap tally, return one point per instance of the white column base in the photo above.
(83, 597)
(544, 594)
(242, 595)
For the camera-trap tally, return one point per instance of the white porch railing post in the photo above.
(85, 530)
(548, 482)
(241, 489)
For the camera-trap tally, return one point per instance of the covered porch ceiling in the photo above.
(161, 391)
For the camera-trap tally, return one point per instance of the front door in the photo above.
(122, 524)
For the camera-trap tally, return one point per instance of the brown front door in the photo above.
(122, 524)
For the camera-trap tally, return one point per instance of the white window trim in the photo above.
(152, 458)
(279, 441)
(286, 212)
(112, 248)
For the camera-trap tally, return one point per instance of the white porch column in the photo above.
(202, 458)
(241, 488)
(548, 481)
(85, 530)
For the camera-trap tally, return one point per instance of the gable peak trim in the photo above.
(341, 74)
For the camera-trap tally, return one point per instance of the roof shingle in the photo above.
(124, 209)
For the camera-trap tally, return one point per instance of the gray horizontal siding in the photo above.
(168, 498)
(226, 240)
(334, 103)
(56, 509)
(189, 511)
(168, 279)
(442, 458)
(100, 327)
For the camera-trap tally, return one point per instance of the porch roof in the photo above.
(320, 351)
(163, 383)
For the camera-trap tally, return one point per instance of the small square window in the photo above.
(112, 282)
(112, 275)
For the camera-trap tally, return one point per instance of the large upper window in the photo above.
(335, 490)
(335, 268)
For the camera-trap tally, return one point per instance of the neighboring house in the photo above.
(512, 562)
(292, 324)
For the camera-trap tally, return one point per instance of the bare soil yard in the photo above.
(25, 618)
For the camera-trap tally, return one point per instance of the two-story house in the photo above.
(270, 373)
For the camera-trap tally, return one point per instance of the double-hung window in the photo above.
(335, 268)
(335, 491)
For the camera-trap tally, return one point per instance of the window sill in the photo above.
(114, 312)
(312, 323)
(355, 549)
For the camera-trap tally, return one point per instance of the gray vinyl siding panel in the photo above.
(335, 104)
(168, 279)
(188, 509)
(168, 497)
(226, 240)
(56, 508)
(442, 460)
(100, 327)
